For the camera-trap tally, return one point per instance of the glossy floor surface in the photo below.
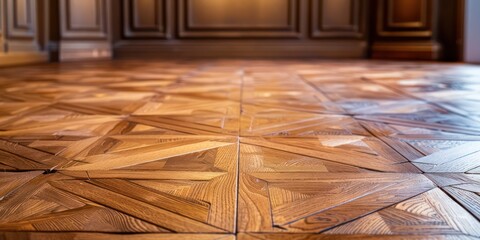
(240, 149)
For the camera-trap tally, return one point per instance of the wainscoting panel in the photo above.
(146, 18)
(247, 28)
(405, 29)
(83, 19)
(338, 18)
(85, 29)
(239, 19)
(21, 19)
(22, 32)
(2, 27)
(405, 18)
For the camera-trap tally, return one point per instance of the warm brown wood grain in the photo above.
(313, 236)
(257, 149)
(10, 181)
(429, 213)
(103, 236)
(145, 18)
(464, 188)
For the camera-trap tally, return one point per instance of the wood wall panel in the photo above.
(232, 28)
(85, 31)
(146, 18)
(416, 16)
(406, 29)
(337, 18)
(405, 18)
(2, 22)
(239, 19)
(83, 19)
(248, 28)
(21, 18)
(21, 9)
(23, 27)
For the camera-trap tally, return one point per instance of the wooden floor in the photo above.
(240, 149)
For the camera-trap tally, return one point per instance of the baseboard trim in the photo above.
(84, 50)
(185, 49)
(406, 50)
(11, 59)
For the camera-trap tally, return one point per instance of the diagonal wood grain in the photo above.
(246, 149)
(135, 208)
(103, 236)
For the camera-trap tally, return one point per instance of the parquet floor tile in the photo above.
(315, 202)
(142, 183)
(342, 150)
(432, 212)
(260, 121)
(464, 188)
(285, 91)
(240, 149)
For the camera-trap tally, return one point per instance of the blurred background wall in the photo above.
(472, 31)
(41, 30)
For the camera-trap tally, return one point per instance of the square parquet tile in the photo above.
(138, 183)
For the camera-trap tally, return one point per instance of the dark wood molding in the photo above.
(290, 26)
(389, 26)
(460, 31)
(414, 29)
(3, 26)
(24, 25)
(90, 23)
(52, 29)
(416, 50)
(85, 31)
(204, 31)
(155, 22)
(242, 48)
(23, 32)
(406, 29)
(349, 24)
(21, 19)
(420, 21)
